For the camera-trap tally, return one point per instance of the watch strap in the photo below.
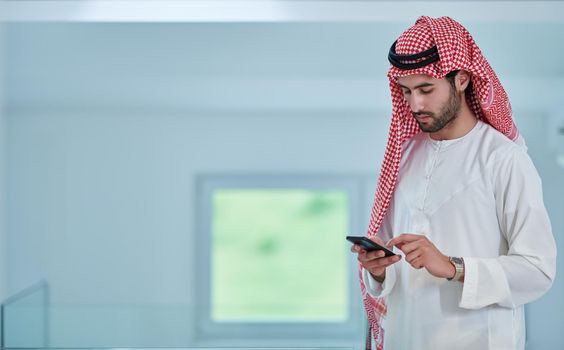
(458, 266)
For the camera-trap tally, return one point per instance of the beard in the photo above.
(447, 114)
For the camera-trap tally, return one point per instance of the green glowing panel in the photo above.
(279, 255)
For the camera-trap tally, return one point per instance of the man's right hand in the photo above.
(375, 262)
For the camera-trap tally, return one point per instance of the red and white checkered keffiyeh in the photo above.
(487, 99)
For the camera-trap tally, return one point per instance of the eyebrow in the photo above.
(417, 86)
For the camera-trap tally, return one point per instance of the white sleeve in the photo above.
(377, 289)
(373, 287)
(528, 269)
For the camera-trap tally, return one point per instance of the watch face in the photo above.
(457, 260)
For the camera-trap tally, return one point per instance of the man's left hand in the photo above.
(421, 252)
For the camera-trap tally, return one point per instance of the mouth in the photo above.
(423, 117)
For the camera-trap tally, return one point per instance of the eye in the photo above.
(406, 92)
(426, 92)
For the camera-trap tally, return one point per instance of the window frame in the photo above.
(291, 333)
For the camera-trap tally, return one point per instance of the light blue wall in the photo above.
(108, 125)
(3, 258)
(545, 317)
(102, 205)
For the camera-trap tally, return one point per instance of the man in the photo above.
(459, 199)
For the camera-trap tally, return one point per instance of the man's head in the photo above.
(435, 47)
(434, 102)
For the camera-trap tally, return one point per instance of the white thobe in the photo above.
(478, 197)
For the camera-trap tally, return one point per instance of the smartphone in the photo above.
(369, 245)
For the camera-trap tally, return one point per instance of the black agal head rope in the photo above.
(411, 61)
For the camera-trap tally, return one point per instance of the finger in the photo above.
(403, 238)
(355, 248)
(369, 256)
(407, 248)
(381, 263)
(375, 254)
(417, 263)
(416, 254)
(372, 257)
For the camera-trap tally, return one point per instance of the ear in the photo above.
(462, 80)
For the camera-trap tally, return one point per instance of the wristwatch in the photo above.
(459, 267)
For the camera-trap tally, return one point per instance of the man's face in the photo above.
(434, 102)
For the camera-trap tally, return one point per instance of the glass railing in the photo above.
(31, 320)
(24, 318)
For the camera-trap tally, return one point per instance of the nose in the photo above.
(416, 102)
